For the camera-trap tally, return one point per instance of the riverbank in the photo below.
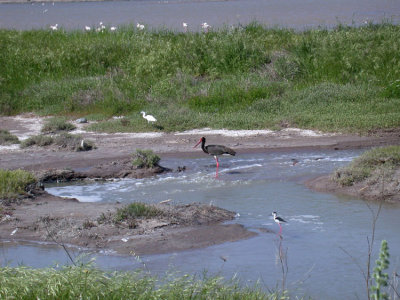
(375, 175)
(78, 224)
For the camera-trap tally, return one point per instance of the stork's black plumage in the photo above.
(214, 150)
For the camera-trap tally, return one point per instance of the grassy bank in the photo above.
(85, 282)
(14, 183)
(345, 79)
(371, 165)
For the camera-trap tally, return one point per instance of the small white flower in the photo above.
(140, 26)
(113, 28)
(87, 28)
(54, 27)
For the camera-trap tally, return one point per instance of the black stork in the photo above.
(214, 150)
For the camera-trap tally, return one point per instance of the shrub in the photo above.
(7, 138)
(38, 140)
(54, 125)
(145, 159)
(136, 210)
(14, 183)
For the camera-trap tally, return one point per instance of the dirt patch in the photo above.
(112, 147)
(70, 222)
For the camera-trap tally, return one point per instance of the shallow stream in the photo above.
(325, 237)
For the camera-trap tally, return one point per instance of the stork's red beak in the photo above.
(197, 143)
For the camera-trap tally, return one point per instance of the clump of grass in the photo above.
(369, 163)
(14, 183)
(38, 140)
(145, 159)
(7, 138)
(136, 210)
(63, 140)
(87, 282)
(73, 142)
(57, 124)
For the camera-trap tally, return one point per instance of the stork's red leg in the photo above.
(216, 159)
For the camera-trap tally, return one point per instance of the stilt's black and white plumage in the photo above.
(277, 219)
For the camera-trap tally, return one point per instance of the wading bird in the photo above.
(149, 118)
(278, 220)
(205, 26)
(214, 150)
(54, 27)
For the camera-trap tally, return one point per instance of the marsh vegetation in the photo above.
(344, 79)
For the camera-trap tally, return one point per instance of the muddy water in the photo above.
(320, 229)
(297, 14)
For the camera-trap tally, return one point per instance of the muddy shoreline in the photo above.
(44, 217)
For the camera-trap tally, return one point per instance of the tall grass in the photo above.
(247, 77)
(86, 282)
(14, 183)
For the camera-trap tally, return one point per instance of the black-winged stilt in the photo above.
(278, 220)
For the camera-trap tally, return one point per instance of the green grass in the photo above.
(14, 183)
(7, 138)
(38, 140)
(145, 159)
(368, 164)
(344, 79)
(87, 282)
(57, 124)
(63, 140)
(136, 210)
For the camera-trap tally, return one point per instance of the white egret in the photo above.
(149, 118)
(205, 26)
